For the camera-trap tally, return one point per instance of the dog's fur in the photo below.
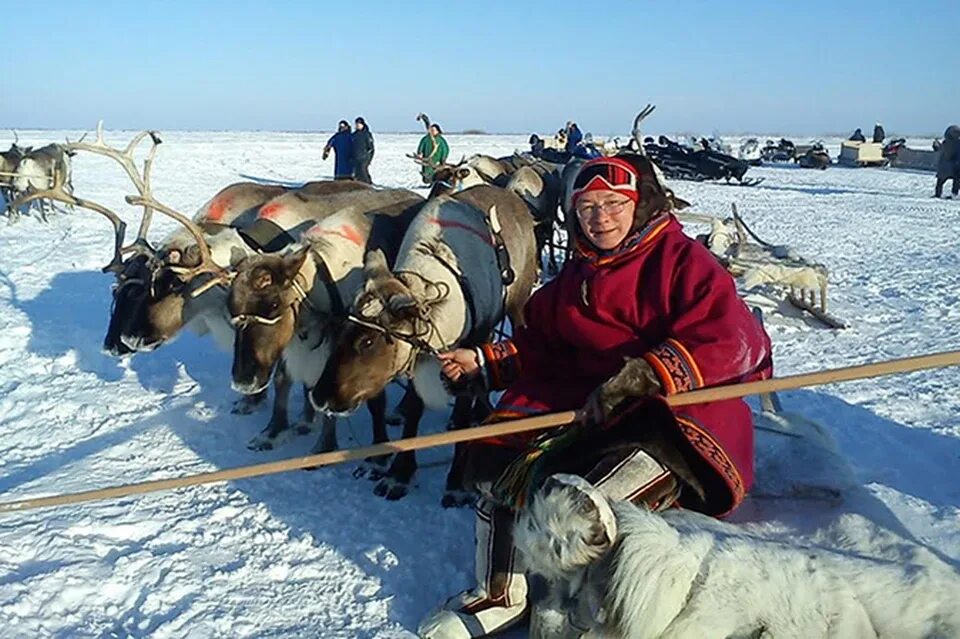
(686, 575)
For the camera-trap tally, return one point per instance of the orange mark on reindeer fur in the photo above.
(218, 208)
(271, 211)
(345, 231)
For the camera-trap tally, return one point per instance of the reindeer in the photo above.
(450, 286)
(41, 169)
(9, 160)
(166, 294)
(285, 306)
(537, 183)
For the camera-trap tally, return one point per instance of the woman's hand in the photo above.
(459, 363)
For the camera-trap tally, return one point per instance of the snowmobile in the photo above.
(782, 151)
(892, 148)
(750, 152)
(816, 157)
(684, 163)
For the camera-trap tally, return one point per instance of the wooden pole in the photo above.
(539, 422)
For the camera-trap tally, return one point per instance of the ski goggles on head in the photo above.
(607, 174)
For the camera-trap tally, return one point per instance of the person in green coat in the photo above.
(432, 149)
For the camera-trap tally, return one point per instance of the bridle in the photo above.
(244, 320)
(418, 340)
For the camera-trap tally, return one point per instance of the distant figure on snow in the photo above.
(878, 133)
(342, 144)
(362, 150)
(858, 136)
(574, 137)
(432, 149)
(948, 167)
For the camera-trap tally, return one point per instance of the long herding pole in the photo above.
(540, 422)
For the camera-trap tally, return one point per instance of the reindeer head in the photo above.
(154, 294)
(264, 302)
(455, 178)
(391, 322)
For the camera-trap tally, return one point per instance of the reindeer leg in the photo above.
(278, 428)
(473, 410)
(375, 468)
(307, 423)
(397, 415)
(397, 481)
(327, 442)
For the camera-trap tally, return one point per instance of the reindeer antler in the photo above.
(57, 193)
(423, 117)
(126, 160)
(638, 138)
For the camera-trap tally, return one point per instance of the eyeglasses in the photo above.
(612, 208)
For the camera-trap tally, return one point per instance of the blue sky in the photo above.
(791, 67)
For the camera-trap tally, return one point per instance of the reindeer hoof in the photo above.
(457, 499)
(394, 419)
(259, 443)
(372, 468)
(391, 489)
(305, 428)
(244, 406)
(270, 438)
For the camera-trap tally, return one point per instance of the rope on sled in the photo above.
(539, 422)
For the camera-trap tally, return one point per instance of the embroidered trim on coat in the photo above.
(502, 363)
(716, 456)
(675, 367)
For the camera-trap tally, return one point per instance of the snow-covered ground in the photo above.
(316, 553)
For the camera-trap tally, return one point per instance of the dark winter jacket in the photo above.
(362, 146)
(949, 164)
(573, 138)
(342, 145)
(858, 136)
(879, 134)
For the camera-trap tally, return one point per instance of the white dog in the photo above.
(616, 570)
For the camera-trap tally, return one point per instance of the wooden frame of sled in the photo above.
(754, 261)
(861, 154)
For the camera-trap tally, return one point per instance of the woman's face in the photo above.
(605, 218)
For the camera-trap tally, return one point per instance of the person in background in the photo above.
(878, 133)
(574, 137)
(433, 150)
(858, 136)
(342, 144)
(948, 166)
(362, 150)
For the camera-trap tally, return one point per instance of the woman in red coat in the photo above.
(642, 311)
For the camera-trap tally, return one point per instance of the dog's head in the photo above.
(566, 527)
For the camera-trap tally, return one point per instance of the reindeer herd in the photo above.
(338, 287)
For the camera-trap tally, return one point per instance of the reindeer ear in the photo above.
(463, 174)
(293, 262)
(404, 305)
(375, 265)
(237, 257)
